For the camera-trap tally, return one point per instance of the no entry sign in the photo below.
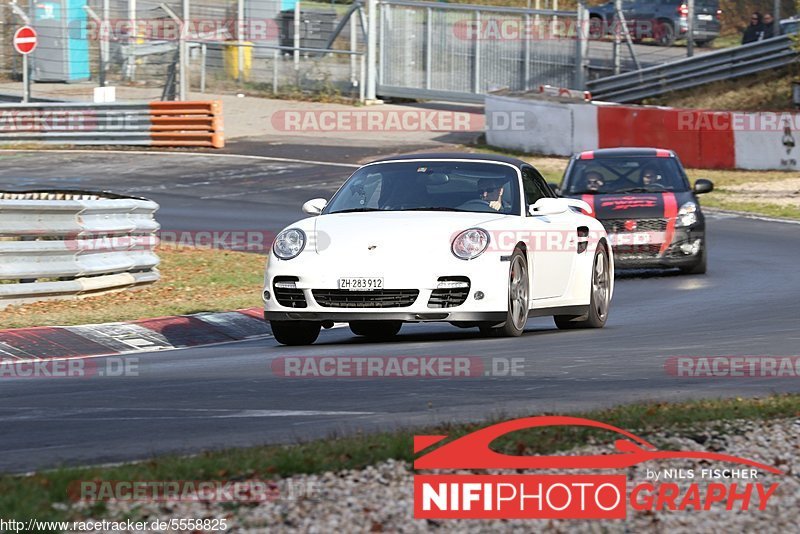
(25, 40)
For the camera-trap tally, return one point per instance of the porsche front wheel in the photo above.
(517, 314)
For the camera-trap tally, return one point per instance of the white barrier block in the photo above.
(768, 140)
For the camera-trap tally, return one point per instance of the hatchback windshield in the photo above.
(430, 186)
(625, 175)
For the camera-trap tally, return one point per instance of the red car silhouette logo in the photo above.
(473, 450)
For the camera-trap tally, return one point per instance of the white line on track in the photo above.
(727, 214)
(208, 154)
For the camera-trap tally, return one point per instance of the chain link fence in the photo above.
(134, 46)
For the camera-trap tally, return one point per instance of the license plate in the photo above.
(360, 284)
(704, 17)
(635, 238)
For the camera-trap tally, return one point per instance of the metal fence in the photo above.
(63, 244)
(460, 52)
(140, 45)
(691, 72)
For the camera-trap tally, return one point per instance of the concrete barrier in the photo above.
(702, 139)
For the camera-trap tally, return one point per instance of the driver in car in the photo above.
(594, 181)
(491, 192)
(650, 176)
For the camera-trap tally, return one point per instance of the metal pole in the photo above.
(776, 15)
(428, 46)
(105, 32)
(372, 49)
(297, 35)
(184, 51)
(275, 54)
(240, 37)
(581, 46)
(353, 47)
(203, 58)
(476, 67)
(615, 54)
(361, 78)
(26, 80)
(690, 28)
(526, 52)
(131, 59)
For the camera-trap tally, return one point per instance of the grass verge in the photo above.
(776, 192)
(193, 280)
(23, 497)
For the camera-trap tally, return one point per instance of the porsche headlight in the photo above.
(470, 244)
(687, 215)
(289, 243)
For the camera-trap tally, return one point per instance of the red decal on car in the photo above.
(589, 199)
(671, 213)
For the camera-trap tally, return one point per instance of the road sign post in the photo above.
(25, 41)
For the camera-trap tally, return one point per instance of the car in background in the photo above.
(665, 21)
(643, 199)
(790, 26)
(457, 238)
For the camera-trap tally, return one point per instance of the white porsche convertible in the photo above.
(469, 239)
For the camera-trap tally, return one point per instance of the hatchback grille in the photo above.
(636, 252)
(286, 296)
(382, 298)
(617, 226)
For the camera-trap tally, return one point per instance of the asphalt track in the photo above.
(227, 395)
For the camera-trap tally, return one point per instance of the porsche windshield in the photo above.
(625, 175)
(436, 185)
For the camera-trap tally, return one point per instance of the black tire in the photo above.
(376, 330)
(599, 300)
(518, 292)
(700, 267)
(665, 34)
(295, 333)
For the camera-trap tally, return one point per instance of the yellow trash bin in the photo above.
(232, 55)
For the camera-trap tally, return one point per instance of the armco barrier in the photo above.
(62, 244)
(196, 124)
(702, 139)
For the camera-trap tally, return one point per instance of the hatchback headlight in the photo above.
(289, 243)
(687, 215)
(470, 244)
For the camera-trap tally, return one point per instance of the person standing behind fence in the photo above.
(755, 30)
(768, 30)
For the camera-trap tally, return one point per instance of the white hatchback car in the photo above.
(469, 239)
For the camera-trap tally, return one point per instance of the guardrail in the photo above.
(64, 244)
(691, 72)
(196, 124)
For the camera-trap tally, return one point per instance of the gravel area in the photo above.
(784, 192)
(380, 498)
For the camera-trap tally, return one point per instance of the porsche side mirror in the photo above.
(554, 206)
(548, 206)
(315, 206)
(703, 186)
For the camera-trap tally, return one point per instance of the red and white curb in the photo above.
(144, 335)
